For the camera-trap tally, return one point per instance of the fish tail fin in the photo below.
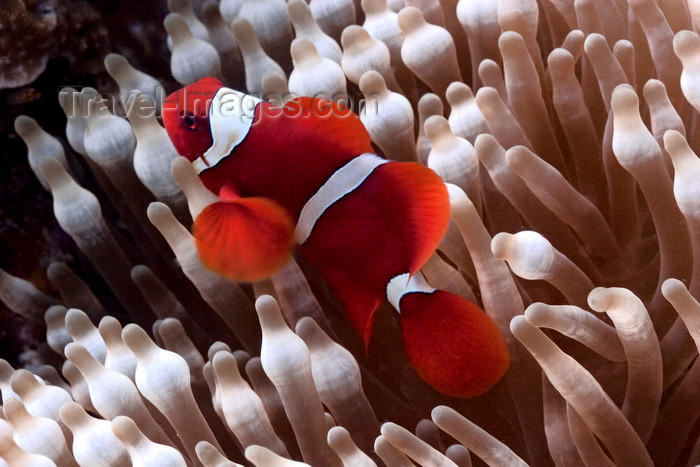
(453, 345)
(244, 239)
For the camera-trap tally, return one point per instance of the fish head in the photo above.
(186, 117)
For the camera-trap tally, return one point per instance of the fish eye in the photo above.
(191, 122)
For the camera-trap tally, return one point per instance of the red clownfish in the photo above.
(305, 174)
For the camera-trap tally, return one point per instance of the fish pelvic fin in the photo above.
(452, 344)
(244, 239)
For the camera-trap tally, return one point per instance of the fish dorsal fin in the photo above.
(325, 122)
(244, 239)
(428, 209)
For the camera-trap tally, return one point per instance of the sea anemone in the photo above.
(565, 132)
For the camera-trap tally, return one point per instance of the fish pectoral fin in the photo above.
(451, 343)
(244, 239)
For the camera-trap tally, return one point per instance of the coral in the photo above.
(34, 31)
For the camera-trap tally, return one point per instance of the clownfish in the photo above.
(305, 174)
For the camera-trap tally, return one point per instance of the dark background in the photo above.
(30, 238)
